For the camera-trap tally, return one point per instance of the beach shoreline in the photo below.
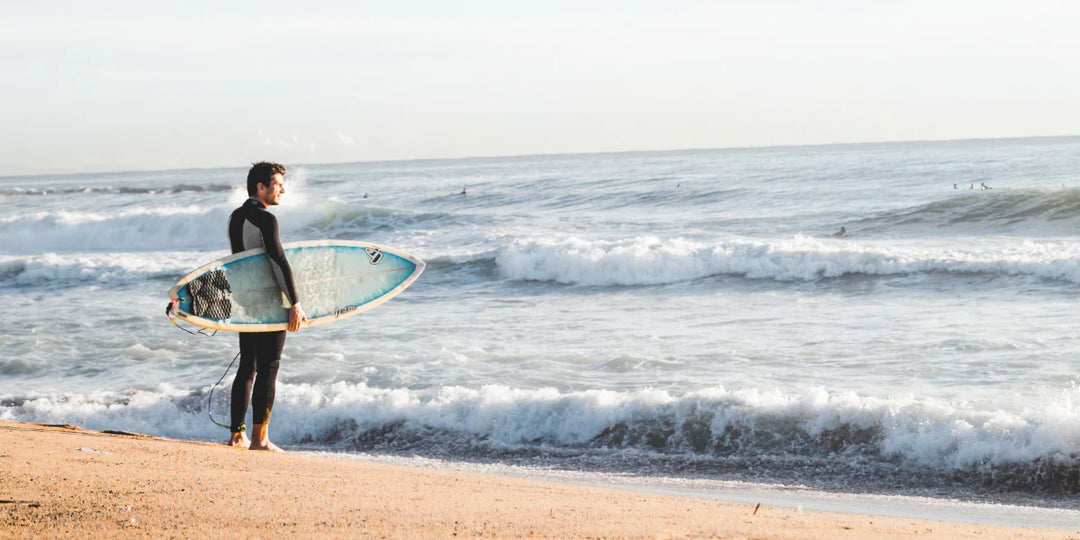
(1006, 510)
(58, 481)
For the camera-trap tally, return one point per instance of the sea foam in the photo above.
(650, 260)
(714, 423)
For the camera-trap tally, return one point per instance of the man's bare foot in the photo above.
(239, 440)
(267, 445)
(260, 439)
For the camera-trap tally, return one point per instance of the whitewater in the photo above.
(686, 315)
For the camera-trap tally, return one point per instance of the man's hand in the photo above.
(296, 317)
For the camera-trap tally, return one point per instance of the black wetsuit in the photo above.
(251, 227)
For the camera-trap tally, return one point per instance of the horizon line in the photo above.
(554, 154)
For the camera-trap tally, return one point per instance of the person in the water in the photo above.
(841, 233)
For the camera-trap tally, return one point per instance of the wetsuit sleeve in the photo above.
(276, 254)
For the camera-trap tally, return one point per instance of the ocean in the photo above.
(677, 316)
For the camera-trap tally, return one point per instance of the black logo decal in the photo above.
(374, 255)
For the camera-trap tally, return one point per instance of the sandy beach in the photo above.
(62, 481)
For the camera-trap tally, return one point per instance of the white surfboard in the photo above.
(335, 279)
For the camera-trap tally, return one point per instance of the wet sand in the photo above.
(62, 481)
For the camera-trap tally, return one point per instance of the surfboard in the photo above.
(335, 279)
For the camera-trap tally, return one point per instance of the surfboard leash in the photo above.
(210, 401)
(169, 313)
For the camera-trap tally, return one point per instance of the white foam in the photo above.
(649, 260)
(141, 229)
(194, 225)
(921, 431)
(54, 269)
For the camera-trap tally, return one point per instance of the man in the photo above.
(251, 226)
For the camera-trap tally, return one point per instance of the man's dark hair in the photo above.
(262, 173)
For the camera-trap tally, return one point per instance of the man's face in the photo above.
(271, 196)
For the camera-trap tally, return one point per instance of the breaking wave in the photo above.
(712, 431)
(117, 190)
(649, 260)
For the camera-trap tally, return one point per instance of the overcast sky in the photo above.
(134, 85)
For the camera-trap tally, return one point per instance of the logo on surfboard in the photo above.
(374, 255)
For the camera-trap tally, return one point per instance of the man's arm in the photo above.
(283, 272)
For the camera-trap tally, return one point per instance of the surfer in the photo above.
(840, 233)
(251, 226)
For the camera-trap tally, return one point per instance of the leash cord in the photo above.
(169, 314)
(210, 401)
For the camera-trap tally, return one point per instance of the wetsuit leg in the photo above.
(267, 359)
(245, 374)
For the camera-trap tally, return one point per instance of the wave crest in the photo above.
(649, 260)
(1043, 210)
(712, 429)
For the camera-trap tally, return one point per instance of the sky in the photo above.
(109, 85)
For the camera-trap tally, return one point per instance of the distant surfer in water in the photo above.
(251, 226)
(841, 233)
